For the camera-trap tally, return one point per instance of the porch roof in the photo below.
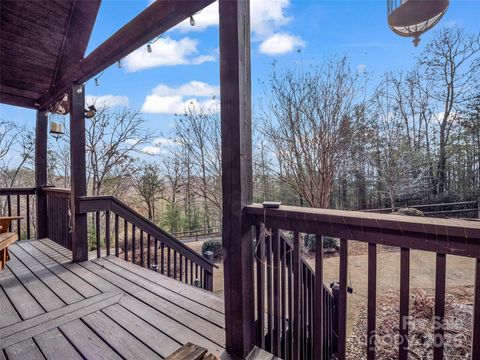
(43, 44)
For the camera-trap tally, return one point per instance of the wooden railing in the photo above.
(470, 209)
(118, 227)
(440, 236)
(58, 216)
(19, 202)
(275, 260)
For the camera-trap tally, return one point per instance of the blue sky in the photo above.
(183, 66)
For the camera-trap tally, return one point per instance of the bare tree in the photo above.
(198, 132)
(17, 147)
(111, 140)
(308, 122)
(451, 64)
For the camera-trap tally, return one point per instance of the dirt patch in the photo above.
(457, 326)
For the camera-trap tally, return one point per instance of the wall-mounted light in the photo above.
(90, 112)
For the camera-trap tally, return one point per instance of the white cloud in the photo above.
(106, 100)
(166, 52)
(195, 94)
(267, 17)
(281, 43)
(152, 150)
(162, 141)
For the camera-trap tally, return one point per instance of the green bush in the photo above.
(215, 246)
(309, 242)
(409, 212)
(329, 242)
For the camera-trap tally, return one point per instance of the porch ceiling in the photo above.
(39, 41)
(43, 44)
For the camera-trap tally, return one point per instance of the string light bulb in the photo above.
(149, 48)
(96, 82)
(119, 64)
(192, 21)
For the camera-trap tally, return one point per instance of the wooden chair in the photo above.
(6, 238)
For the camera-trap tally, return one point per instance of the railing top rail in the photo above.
(17, 191)
(107, 202)
(472, 202)
(56, 190)
(453, 236)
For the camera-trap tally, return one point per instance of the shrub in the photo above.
(329, 242)
(409, 212)
(215, 246)
(309, 242)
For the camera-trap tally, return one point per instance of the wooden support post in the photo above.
(237, 236)
(41, 140)
(77, 172)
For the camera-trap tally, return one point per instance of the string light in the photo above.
(119, 64)
(192, 21)
(149, 48)
(149, 45)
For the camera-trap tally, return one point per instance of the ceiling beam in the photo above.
(80, 25)
(156, 19)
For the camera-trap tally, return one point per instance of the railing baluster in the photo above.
(181, 267)
(9, 209)
(18, 221)
(27, 197)
(319, 305)
(134, 244)
(260, 260)
(191, 272)
(107, 232)
(142, 256)
(476, 314)
(283, 273)
(174, 264)
(162, 257)
(168, 262)
(97, 233)
(268, 249)
(342, 300)
(276, 292)
(404, 302)
(149, 255)
(290, 303)
(297, 279)
(372, 300)
(439, 337)
(125, 240)
(117, 236)
(155, 253)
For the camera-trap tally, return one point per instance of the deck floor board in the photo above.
(102, 309)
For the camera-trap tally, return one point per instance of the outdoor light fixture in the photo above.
(412, 18)
(56, 130)
(149, 48)
(192, 21)
(90, 112)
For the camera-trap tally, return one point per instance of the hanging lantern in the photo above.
(412, 18)
(56, 129)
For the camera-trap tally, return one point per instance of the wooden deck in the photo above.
(100, 309)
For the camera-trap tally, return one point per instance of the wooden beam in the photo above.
(235, 90)
(78, 172)
(156, 19)
(80, 24)
(41, 140)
